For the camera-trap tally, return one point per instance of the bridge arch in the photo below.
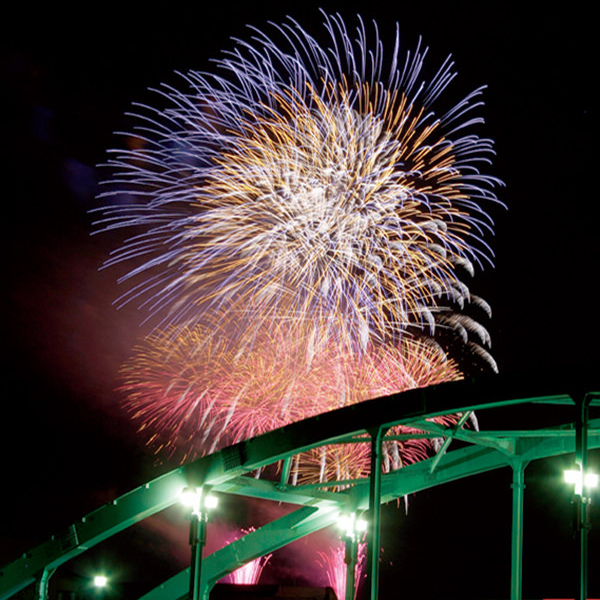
(318, 505)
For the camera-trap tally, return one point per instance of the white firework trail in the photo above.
(306, 181)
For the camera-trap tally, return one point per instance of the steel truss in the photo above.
(319, 505)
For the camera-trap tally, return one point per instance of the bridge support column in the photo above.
(42, 586)
(373, 531)
(350, 560)
(518, 488)
(582, 500)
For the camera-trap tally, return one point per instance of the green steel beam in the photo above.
(263, 541)
(223, 466)
(270, 490)
(413, 478)
(454, 397)
(462, 463)
(518, 488)
(581, 458)
(449, 437)
(374, 526)
(410, 479)
(473, 437)
(455, 465)
(92, 529)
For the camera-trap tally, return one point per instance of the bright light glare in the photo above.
(100, 581)
(211, 502)
(573, 476)
(361, 525)
(189, 497)
(350, 524)
(591, 480)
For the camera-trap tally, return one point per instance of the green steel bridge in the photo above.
(463, 453)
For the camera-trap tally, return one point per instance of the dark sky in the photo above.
(67, 80)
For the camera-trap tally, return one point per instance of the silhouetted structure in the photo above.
(230, 591)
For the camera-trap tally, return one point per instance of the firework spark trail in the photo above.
(305, 180)
(333, 563)
(302, 224)
(205, 396)
(250, 572)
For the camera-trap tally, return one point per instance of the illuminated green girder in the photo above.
(408, 480)
(224, 471)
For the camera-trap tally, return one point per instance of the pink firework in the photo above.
(250, 572)
(191, 398)
(295, 219)
(333, 563)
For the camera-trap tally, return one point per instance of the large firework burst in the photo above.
(302, 224)
(305, 179)
(191, 397)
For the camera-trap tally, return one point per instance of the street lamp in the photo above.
(99, 584)
(351, 526)
(581, 481)
(100, 581)
(584, 481)
(200, 502)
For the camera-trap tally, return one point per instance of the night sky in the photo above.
(67, 81)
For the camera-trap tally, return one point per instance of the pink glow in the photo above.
(250, 572)
(192, 393)
(334, 565)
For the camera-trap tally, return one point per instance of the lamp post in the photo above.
(100, 583)
(200, 502)
(583, 481)
(373, 534)
(351, 526)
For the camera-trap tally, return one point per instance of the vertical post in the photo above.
(581, 501)
(197, 541)
(199, 501)
(285, 469)
(518, 487)
(43, 583)
(350, 560)
(373, 532)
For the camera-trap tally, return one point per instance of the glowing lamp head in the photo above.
(210, 501)
(100, 581)
(189, 497)
(351, 525)
(572, 476)
(575, 477)
(591, 480)
(196, 500)
(344, 522)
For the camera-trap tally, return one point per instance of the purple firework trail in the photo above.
(308, 207)
(307, 182)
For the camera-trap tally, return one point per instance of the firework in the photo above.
(301, 225)
(333, 563)
(305, 181)
(250, 572)
(192, 397)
